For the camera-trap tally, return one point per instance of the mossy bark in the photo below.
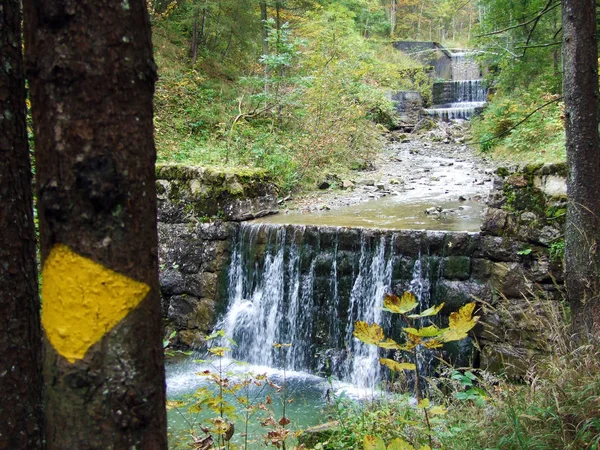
(92, 77)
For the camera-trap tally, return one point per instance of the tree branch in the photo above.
(551, 44)
(522, 24)
(537, 20)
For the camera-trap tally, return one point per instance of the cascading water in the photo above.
(461, 97)
(366, 300)
(307, 286)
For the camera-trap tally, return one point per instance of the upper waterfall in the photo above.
(464, 94)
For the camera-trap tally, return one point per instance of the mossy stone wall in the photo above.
(198, 213)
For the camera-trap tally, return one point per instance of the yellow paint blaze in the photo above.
(83, 300)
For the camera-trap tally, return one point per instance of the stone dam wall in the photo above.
(512, 267)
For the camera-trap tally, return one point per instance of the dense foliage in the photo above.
(312, 96)
(521, 48)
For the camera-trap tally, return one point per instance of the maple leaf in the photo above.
(428, 312)
(390, 344)
(430, 331)
(399, 444)
(369, 334)
(460, 323)
(396, 366)
(400, 305)
(373, 443)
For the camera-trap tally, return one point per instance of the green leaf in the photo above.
(400, 305)
(470, 375)
(373, 443)
(396, 366)
(216, 334)
(428, 312)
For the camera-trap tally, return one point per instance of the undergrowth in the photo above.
(317, 101)
(556, 405)
(539, 139)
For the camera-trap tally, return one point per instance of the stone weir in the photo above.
(307, 285)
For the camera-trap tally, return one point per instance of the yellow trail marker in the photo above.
(83, 300)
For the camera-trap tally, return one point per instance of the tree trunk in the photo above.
(582, 235)
(195, 35)
(20, 333)
(392, 18)
(202, 37)
(92, 76)
(263, 29)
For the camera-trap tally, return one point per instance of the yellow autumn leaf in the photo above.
(413, 340)
(463, 320)
(453, 335)
(396, 366)
(218, 351)
(437, 410)
(432, 343)
(430, 331)
(369, 334)
(428, 312)
(390, 344)
(400, 305)
(424, 403)
(373, 443)
(399, 444)
(175, 404)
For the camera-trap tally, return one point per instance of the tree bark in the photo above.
(582, 235)
(92, 75)
(20, 333)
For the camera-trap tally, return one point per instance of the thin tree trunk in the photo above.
(392, 18)
(263, 29)
(195, 35)
(92, 76)
(20, 332)
(420, 17)
(231, 32)
(582, 235)
(202, 36)
(217, 27)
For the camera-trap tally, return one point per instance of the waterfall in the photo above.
(306, 286)
(460, 98)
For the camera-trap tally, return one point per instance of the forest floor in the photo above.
(429, 166)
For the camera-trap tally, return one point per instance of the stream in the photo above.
(304, 277)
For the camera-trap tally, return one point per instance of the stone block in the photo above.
(508, 279)
(456, 268)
